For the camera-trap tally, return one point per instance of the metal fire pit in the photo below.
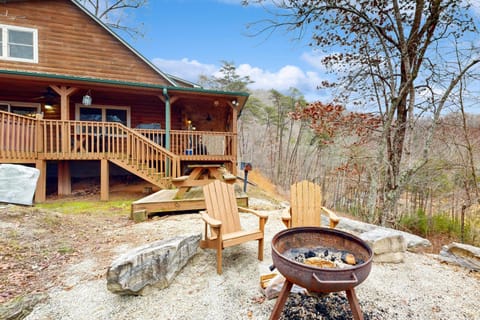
(322, 280)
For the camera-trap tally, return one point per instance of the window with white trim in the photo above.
(22, 108)
(103, 113)
(18, 43)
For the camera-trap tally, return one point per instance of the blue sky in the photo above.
(188, 38)
(192, 37)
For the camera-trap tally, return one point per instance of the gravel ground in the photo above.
(420, 288)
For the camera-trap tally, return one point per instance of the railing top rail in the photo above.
(197, 132)
(18, 115)
(120, 130)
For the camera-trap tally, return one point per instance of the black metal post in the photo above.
(245, 180)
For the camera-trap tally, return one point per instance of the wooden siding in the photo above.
(73, 44)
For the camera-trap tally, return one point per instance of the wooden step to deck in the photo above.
(165, 201)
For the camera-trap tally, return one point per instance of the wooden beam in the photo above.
(172, 99)
(41, 189)
(104, 180)
(64, 92)
(64, 178)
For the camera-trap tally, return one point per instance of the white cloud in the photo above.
(287, 77)
(186, 69)
(314, 60)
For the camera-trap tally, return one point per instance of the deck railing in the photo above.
(193, 143)
(25, 139)
(106, 140)
(17, 137)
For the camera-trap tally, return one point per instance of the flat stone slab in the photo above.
(154, 265)
(462, 254)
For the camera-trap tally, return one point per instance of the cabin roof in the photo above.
(118, 82)
(125, 43)
(176, 83)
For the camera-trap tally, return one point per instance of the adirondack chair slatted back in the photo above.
(223, 219)
(221, 204)
(305, 204)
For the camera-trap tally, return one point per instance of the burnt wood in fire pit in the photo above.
(315, 279)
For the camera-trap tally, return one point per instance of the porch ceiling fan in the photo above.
(47, 95)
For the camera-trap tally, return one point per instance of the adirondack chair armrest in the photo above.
(209, 220)
(334, 219)
(287, 217)
(258, 214)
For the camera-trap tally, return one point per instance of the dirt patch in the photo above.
(37, 244)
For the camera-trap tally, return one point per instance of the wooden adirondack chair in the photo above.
(306, 206)
(222, 221)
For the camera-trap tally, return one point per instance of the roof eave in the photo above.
(118, 82)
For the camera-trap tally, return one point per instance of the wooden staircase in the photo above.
(26, 140)
(158, 179)
(146, 159)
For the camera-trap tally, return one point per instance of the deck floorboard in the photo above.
(165, 201)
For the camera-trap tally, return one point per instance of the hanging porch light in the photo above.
(87, 99)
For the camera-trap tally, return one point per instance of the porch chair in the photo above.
(222, 221)
(306, 206)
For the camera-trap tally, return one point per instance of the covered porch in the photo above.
(152, 131)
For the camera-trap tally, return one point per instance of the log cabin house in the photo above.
(74, 95)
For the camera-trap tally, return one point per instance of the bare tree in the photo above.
(385, 53)
(113, 13)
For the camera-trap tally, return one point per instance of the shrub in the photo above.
(441, 223)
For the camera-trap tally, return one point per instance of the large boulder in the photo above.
(413, 241)
(19, 308)
(387, 246)
(462, 254)
(18, 183)
(154, 265)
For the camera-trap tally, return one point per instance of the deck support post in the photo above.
(41, 189)
(104, 180)
(64, 178)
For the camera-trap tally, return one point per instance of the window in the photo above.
(18, 44)
(103, 113)
(22, 108)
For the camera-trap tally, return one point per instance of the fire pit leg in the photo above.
(282, 298)
(354, 305)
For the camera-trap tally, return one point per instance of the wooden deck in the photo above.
(166, 201)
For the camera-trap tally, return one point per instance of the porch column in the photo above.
(168, 115)
(41, 189)
(104, 180)
(64, 178)
(64, 92)
(168, 120)
(235, 135)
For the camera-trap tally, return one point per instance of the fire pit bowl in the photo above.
(315, 279)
